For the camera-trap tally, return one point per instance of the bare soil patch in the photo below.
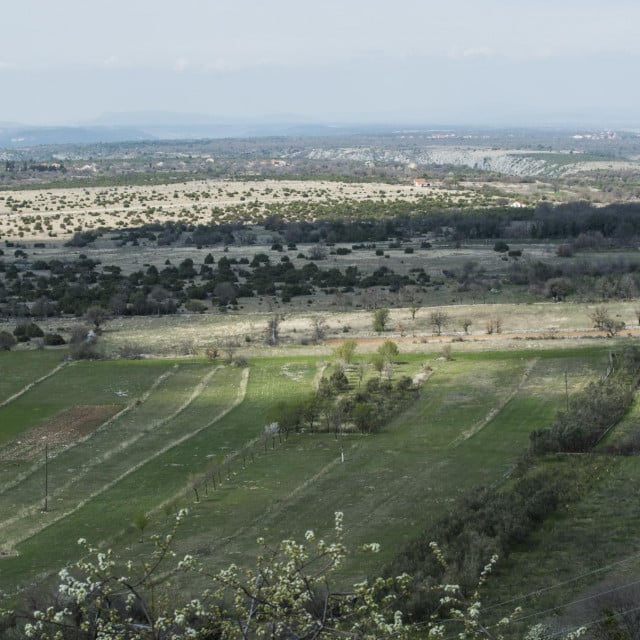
(62, 430)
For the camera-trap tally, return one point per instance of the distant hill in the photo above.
(161, 126)
(25, 136)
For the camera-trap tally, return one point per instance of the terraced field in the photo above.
(172, 421)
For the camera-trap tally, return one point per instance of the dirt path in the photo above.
(9, 544)
(135, 402)
(481, 424)
(30, 386)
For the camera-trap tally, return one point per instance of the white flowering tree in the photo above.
(287, 595)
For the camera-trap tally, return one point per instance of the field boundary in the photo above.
(10, 544)
(32, 384)
(481, 424)
(128, 407)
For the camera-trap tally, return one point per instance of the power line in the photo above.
(562, 584)
(567, 630)
(585, 599)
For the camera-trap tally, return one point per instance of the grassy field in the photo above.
(468, 427)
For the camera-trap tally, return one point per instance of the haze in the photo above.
(460, 62)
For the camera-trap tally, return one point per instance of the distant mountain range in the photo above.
(151, 126)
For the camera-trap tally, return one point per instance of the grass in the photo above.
(589, 541)
(390, 485)
(78, 383)
(20, 368)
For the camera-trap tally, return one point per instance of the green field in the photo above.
(468, 427)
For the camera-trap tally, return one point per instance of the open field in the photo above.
(468, 428)
(523, 326)
(46, 214)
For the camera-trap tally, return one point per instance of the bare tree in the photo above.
(494, 325)
(603, 321)
(319, 329)
(317, 252)
(273, 329)
(439, 319)
(229, 349)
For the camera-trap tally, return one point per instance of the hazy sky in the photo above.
(460, 61)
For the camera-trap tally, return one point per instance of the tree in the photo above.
(229, 348)
(346, 350)
(27, 330)
(363, 416)
(141, 522)
(380, 319)
(388, 350)
(409, 295)
(272, 336)
(378, 362)
(317, 252)
(439, 319)
(494, 325)
(212, 352)
(361, 370)
(501, 246)
(226, 293)
(319, 329)
(96, 316)
(603, 321)
(466, 323)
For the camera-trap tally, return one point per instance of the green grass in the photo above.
(390, 486)
(77, 384)
(20, 368)
(585, 543)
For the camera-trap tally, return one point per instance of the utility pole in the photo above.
(45, 508)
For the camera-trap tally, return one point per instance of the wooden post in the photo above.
(45, 508)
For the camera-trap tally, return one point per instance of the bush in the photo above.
(130, 351)
(53, 340)
(240, 361)
(195, 306)
(24, 332)
(7, 341)
(85, 351)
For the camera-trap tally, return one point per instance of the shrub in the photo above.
(85, 351)
(53, 340)
(130, 351)
(24, 332)
(7, 341)
(195, 306)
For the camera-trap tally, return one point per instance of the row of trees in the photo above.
(591, 413)
(379, 221)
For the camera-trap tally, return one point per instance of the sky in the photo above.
(461, 62)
